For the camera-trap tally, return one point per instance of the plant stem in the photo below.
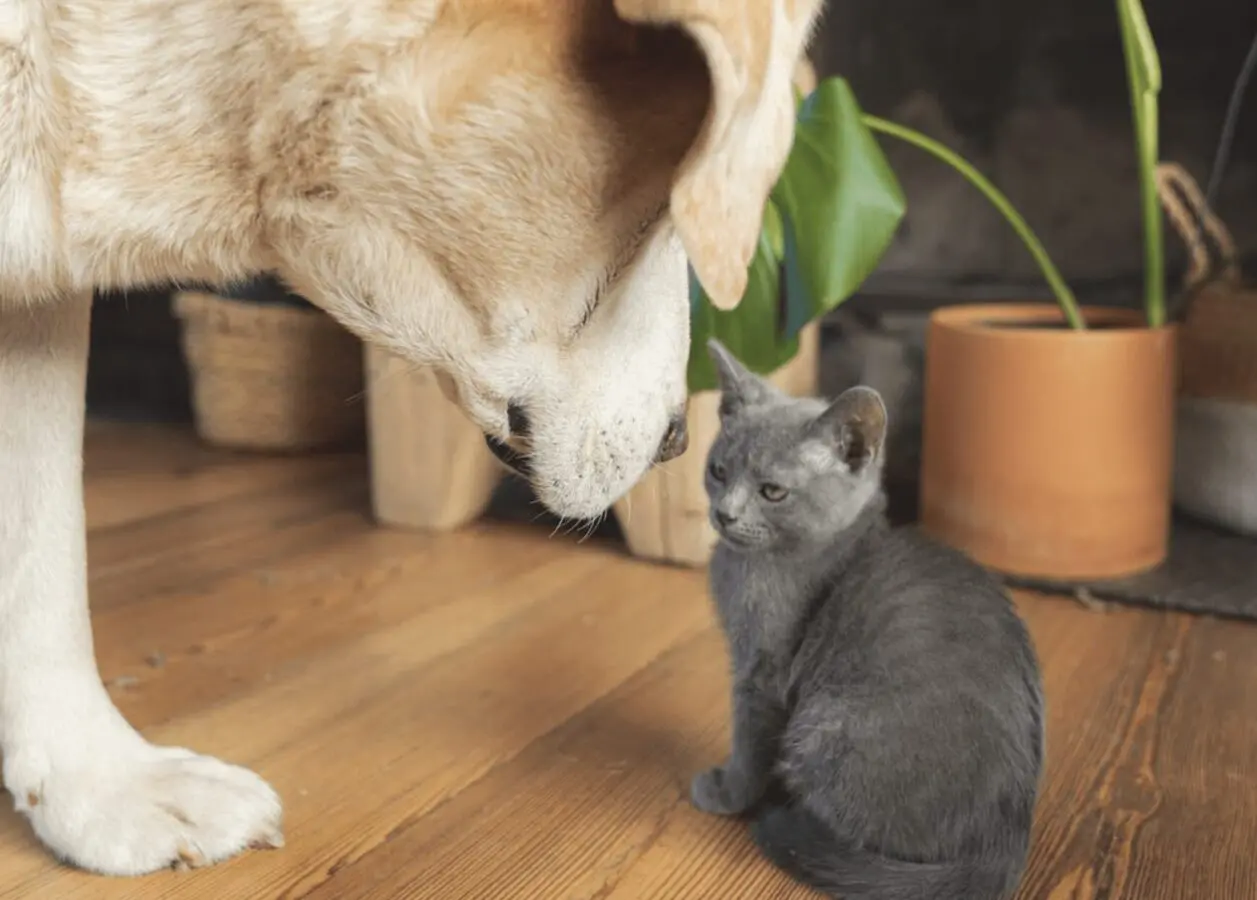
(1064, 296)
(1144, 83)
(1154, 267)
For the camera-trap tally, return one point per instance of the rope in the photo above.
(1189, 212)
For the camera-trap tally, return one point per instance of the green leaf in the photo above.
(840, 204)
(1142, 48)
(772, 229)
(753, 331)
(830, 218)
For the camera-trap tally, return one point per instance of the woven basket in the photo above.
(1215, 468)
(271, 377)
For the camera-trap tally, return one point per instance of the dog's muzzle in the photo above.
(675, 441)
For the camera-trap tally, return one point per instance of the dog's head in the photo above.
(508, 191)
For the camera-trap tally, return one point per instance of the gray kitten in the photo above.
(887, 703)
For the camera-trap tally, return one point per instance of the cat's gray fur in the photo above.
(887, 703)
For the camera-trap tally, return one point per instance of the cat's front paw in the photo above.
(719, 792)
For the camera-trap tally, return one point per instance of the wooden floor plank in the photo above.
(495, 713)
(1187, 753)
(138, 472)
(250, 628)
(580, 807)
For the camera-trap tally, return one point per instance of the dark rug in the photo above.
(1208, 571)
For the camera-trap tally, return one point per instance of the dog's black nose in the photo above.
(675, 440)
(517, 420)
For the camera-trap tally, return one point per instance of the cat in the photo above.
(888, 732)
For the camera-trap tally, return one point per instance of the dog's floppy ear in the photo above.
(752, 48)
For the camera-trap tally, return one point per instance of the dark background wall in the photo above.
(1035, 95)
(136, 369)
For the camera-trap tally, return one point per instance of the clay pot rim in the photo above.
(973, 318)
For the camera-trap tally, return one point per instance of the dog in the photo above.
(508, 191)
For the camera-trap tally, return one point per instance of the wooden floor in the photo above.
(498, 714)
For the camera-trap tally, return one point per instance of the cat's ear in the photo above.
(854, 427)
(739, 386)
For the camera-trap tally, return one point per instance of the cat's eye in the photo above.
(717, 472)
(773, 493)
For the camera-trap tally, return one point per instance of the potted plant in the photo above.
(1048, 432)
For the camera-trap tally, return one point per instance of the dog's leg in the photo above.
(97, 793)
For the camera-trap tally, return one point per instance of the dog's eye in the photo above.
(773, 493)
(717, 472)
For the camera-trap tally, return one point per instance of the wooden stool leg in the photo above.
(430, 468)
(664, 517)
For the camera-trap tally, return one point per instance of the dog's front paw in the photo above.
(722, 793)
(144, 808)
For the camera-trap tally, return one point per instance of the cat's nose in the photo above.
(675, 439)
(724, 519)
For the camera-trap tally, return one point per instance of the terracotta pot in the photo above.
(1047, 452)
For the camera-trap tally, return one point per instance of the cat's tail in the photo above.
(799, 843)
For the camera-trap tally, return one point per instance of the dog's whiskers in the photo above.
(593, 525)
(388, 379)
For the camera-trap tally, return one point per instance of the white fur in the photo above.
(96, 793)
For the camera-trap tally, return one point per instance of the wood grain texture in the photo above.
(493, 713)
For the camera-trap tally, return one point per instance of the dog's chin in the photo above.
(576, 498)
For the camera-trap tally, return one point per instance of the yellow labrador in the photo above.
(504, 189)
